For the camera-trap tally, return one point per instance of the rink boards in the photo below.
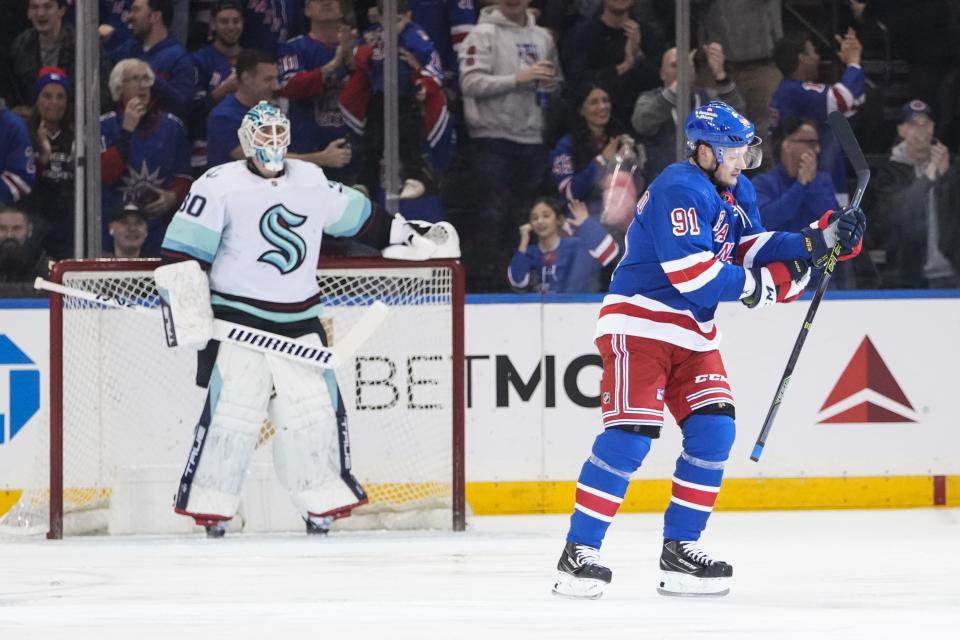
(868, 419)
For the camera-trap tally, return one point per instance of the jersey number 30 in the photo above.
(684, 222)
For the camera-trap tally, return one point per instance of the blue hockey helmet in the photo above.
(720, 126)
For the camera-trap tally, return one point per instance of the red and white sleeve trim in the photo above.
(750, 246)
(18, 188)
(692, 272)
(606, 251)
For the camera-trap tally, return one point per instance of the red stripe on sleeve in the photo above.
(688, 274)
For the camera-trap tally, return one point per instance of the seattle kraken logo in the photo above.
(276, 226)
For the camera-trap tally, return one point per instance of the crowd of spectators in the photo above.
(531, 125)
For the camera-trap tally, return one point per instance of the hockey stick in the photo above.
(851, 149)
(255, 339)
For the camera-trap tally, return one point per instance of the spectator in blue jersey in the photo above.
(17, 167)
(618, 49)
(561, 262)
(145, 156)
(51, 130)
(152, 41)
(216, 75)
(114, 29)
(257, 76)
(504, 62)
(48, 43)
(420, 80)
(313, 70)
(795, 192)
(801, 95)
(916, 192)
(655, 113)
(447, 23)
(267, 25)
(583, 162)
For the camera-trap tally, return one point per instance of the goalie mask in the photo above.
(265, 135)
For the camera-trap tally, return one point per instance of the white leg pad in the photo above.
(674, 583)
(240, 389)
(306, 447)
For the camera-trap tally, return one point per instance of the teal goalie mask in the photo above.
(265, 135)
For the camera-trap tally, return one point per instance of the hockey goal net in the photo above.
(123, 405)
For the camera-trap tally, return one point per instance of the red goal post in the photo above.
(407, 451)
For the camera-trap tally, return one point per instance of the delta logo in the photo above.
(866, 392)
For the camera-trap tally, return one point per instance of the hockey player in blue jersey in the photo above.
(696, 240)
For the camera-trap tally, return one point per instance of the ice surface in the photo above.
(813, 574)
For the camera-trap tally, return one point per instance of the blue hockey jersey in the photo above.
(686, 251)
(573, 267)
(447, 23)
(788, 205)
(796, 99)
(269, 23)
(17, 168)
(315, 121)
(416, 41)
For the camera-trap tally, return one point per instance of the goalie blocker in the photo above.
(185, 302)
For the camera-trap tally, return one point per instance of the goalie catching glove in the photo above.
(845, 226)
(185, 302)
(776, 282)
(420, 240)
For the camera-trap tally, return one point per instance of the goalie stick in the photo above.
(851, 149)
(256, 339)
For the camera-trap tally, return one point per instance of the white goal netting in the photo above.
(130, 406)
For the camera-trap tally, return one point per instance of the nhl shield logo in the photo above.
(606, 397)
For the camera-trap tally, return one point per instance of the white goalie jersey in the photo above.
(261, 236)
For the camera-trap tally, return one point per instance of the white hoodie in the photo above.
(490, 57)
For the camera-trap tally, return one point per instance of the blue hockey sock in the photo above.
(696, 482)
(603, 482)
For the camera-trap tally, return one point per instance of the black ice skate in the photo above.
(215, 530)
(318, 525)
(687, 570)
(580, 574)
